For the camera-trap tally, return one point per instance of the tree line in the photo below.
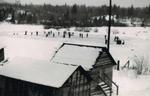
(65, 15)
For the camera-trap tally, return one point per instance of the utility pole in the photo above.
(109, 24)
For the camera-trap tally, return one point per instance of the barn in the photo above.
(29, 77)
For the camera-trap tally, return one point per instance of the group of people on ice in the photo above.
(116, 39)
(119, 41)
(64, 34)
(53, 34)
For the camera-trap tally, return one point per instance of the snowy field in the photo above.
(137, 43)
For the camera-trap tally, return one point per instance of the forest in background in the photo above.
(75, 15)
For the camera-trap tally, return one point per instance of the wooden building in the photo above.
(62, 75)
(96, 60)
(30, 77)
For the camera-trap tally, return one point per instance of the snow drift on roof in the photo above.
(37, 71)
(77, 55)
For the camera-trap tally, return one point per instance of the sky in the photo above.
(123, 3)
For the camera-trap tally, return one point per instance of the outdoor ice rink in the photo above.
(137, 44)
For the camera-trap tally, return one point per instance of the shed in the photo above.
(31, 77)
(96, 60)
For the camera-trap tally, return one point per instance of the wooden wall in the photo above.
(14, 87)
(104, 64)
(77, 85)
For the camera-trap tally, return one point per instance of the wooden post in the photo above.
(118, 65)
(128, 63)
(117, 90)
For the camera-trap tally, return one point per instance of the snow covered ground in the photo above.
(131, 86)
(137, 43)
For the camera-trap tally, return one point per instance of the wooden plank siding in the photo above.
(78, 84)
(14, 87)
(104, 59)
(104, 64)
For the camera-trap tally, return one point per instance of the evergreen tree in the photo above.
(74, 9)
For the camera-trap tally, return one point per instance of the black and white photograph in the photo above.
(74, 47)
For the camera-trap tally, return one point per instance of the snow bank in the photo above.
(132, 86)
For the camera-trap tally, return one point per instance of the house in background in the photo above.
(30, 77)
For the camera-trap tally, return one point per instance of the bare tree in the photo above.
(141, 64)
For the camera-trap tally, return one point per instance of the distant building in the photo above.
(131, 21)
(105, 17)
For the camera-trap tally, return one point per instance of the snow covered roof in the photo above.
(77, 55)
(37, 71)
